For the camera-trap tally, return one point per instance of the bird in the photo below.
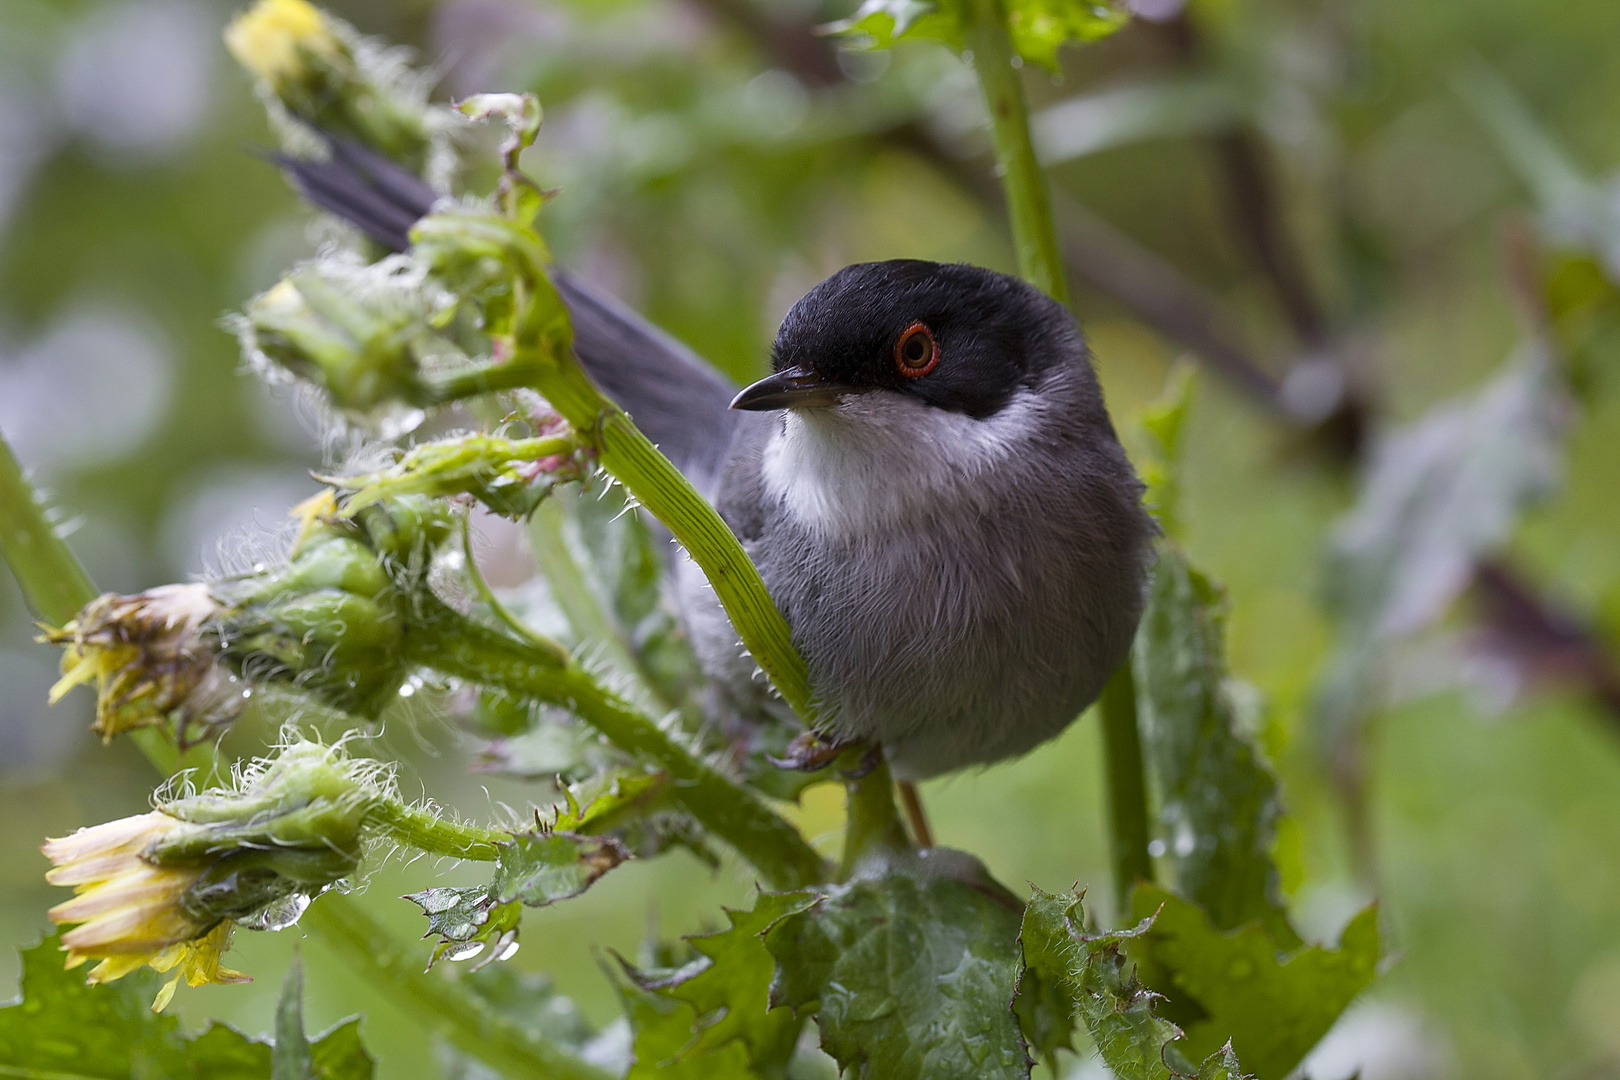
(928, 481)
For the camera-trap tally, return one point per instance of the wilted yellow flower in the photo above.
(129, 912)
(150, 661)
(276, 39)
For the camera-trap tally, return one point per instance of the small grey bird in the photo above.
(928, 482)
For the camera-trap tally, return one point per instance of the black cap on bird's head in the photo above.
(953, 336)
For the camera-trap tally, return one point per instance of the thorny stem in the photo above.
(463, 1018)
(1029, 206)
(463, 649)
(428, 832)
(1127, 793)
(56, 587)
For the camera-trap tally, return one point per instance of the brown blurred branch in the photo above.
(1546, 642)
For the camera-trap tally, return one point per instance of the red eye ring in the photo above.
(916, 353)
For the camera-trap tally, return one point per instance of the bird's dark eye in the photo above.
(916, 353)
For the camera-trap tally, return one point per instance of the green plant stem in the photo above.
(428, 832)
(872, 824)
(1029, 206)
(1127, 792)
(466, 1020)
(659, 486)
(463, 649)
(54, 585)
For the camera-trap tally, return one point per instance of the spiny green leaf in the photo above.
(912, 968)
(540, 868)
(469, 921)
(64, 1028)
(1089, 975)
(1272, 1003)
(1218, 800)
(338, 1054)
(722, 1000)
(1222, 1065)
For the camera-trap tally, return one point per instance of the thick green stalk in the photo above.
(659, 486)
(1127, 792)
(55, 587)
(463, 649)
(428, 832)
(466, 1020)
(871, 822)
(1040, 259)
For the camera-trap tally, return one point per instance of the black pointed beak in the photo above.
(792, 388)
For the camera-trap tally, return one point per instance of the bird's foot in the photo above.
(811, 752)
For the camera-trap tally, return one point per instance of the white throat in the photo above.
(881, 460)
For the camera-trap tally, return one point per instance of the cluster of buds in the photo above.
(165, 888)
(323, 73)
(329, 620)
(362, 333)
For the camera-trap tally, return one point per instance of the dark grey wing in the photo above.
(669, 391)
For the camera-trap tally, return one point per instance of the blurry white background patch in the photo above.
(136, 79)
(90, 389)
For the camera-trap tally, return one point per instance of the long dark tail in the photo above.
(670, 392)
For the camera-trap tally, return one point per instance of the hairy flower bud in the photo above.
(152, 662)
(329, 621)
(360, 333)
(164, 888)
(322, 72)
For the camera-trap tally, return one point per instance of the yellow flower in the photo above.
(150, 661)
(277, 39)
(128, 911)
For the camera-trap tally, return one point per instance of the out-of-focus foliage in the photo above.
(709, 176)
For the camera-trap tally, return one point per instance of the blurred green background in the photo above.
(715, 159)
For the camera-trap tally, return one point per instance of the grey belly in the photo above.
(947, 662)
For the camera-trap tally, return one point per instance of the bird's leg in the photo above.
(914, 814)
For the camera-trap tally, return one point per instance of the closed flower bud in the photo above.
(330, 621)
(319, 70)
(164, 888)
(152, 661)
(360, 333)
